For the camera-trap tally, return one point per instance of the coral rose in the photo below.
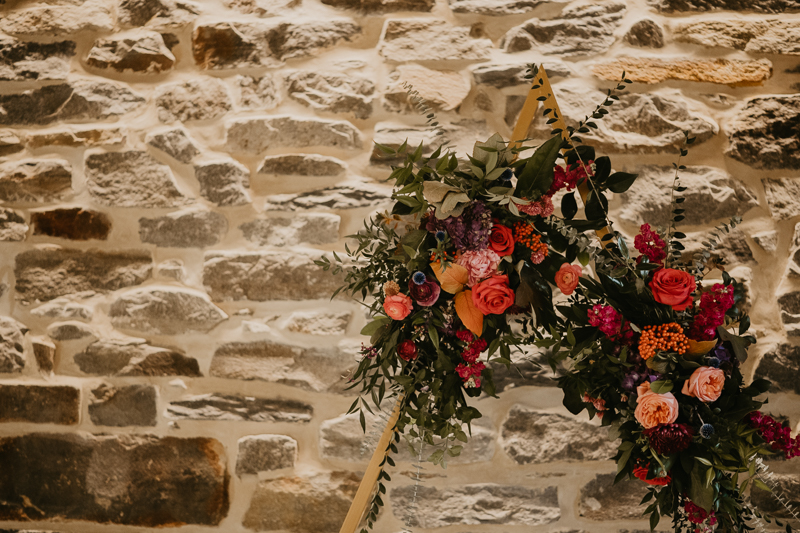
(493, 296)
(501, 240)
(398, 306)
(407, 350)
(480, 264)
(567, 278)
(673, 287)
(655, 409)
(705, 384)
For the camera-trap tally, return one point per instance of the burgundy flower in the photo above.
(407, 350)
(426, 294)
(667, 439)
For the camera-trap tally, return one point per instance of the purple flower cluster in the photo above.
(470, 231)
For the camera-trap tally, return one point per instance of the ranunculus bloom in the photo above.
(654, 409)
(673, 287)
(493, 296)
(398, 306)
(426, 294)
(407, 350)
(501, 240)
(480, 264)
(705, 384)
(567, 278)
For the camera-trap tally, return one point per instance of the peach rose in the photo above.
(567, 278)
(493, 296)
(655, 409)
(705, 384)
(398, 306)
(480, 264)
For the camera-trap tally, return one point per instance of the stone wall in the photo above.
(169, 170)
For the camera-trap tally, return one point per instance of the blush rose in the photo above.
(673, 287)
(398, 306)
(493, 296)
(655, 409)
(568, 277)
(705, 384)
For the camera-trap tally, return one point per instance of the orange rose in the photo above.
(567, 278)
(673, 287)
(493, 296)
(655, 409)
(398, 306)
(705, 384)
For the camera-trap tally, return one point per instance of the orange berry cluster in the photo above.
(662, 338)
(525, 235)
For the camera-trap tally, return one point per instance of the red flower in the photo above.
(501, 240)
(493, 296)
(673, 287)
(650, 244)
(407, 350)
(641, 473)
(667, 439)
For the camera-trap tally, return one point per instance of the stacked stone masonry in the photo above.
(170, 169)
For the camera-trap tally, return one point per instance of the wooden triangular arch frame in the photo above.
(540, 92)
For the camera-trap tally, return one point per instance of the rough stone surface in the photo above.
(171, 269)
(12, 225)
(45, 274)
(646, 33)
(134, 358)
(254, 135)
(307, 228)
(495, 8)
(226, 45)
(25, 61)
(484, 503)
(262, 8)
(141, 53)
(12, 356)
(174, 142)
(733, 250)
(132, 405)
(318, 322)
(293, 503)
(241, 408)
(381, 6)
(165, 311)
(223, 182)
(502, 75)
(39, 405)
(342, 438)
(302, 165)
(75, 224)
(156, 481)
(442, 89)
(63, 308)
(58, 20)
(347, 195)
(601, 500)
(258, 93)
(767, 240)
(44, 352)
(77, 138)
(529, 369)
(764, 133)
(332, 93)
(760, 6)
(189, 228)
(462, 135)
(263, 276)
(10, 143)
(131, 179)
(789, 487)
(157, 14)
(731, 72)
(80, 100)
(262, 453)
(782, 365)
(765, 36)
(712, 194)
(531, 436)
(430, 40)
(783, 197)
(70, 331)
(35, 180)
(581, 30)
(316, 369)
(201, 99)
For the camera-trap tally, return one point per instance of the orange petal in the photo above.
(468, 313)
(451, 279)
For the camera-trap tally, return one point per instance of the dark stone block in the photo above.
(241, 408)
(40, 404)
(76, 224)
(761, 6)
(782, 367)
(134, 405)
(109, 358)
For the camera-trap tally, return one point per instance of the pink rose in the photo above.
(705, 384)
(655, 409)
(480, 264)
(398, 306)
(493, 296)
(567, 278)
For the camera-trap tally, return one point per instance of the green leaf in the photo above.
(569, 206)
(620, 182)
(654, 518)
(434, 335)
(596, 206)
(661, 386)
(375, 325)
(699, 493)
(537, 175)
